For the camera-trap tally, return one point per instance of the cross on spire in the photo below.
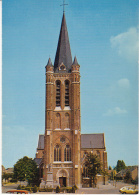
(63, 5)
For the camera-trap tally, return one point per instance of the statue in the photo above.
(50, 167)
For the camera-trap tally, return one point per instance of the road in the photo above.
(100, 189)
(5, 188)
(111, 188)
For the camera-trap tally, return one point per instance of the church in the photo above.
(62, 149)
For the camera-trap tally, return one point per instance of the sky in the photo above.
(103, 36)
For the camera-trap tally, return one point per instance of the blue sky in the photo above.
(103, 36)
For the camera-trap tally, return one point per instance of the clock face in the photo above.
(62, 139)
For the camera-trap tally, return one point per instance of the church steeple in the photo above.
(63, 53)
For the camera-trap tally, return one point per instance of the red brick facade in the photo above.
(60, 155)
(62, 126)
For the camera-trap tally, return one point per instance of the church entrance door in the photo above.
(62, 181)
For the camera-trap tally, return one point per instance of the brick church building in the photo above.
(62, 149)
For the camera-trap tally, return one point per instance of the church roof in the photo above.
(38, 161)
(63, 53)
(49, 62)
(92, 141)
(41, 142)
(87, 141)
(75, 62)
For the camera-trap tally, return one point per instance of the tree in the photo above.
(7, 176)
(94, 166)
(128, 177)
(120, 165)
(110, 168)
(26, 170)
(135, 181)
(104, 173)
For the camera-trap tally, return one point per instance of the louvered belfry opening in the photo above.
(66, 93)
(57, 93)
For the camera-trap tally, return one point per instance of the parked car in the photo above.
(128, 190)
(17, 192)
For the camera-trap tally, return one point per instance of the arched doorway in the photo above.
(62, 181)
(63, 177)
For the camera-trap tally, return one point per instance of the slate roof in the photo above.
(75, 61)
(63, 53)
(49, 62)
(41, 142)
(92, 140)
(38, 161)
(87, 141)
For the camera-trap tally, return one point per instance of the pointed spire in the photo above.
(63, 53)
(75, 61)
(49, 62)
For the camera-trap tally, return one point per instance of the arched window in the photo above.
(57, 121)
(67, 126)
(57, 93)
(66, 93)
(57, 153)
(67, 153)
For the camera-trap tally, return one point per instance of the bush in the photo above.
(13, 180)
(48, 189)
(128, 177)
(57, 189)
(19, 187)
(35, 189)
(29, 189)
(42, 190)
(73, 189)
(76, 188)
(135, 181)
(66, 189)
(28, 185)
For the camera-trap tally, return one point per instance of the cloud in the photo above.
(126, 44)
(115, 111)
(120, 87)
(124, 83)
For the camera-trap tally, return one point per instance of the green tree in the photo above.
(104, 173)
(128, 177)
(94, 166)
(26, 170)
(110, 168)
(120, 165)
(135, 181)
(7, 176)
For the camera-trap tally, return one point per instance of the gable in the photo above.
(38, 161)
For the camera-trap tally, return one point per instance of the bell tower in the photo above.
(62, 140)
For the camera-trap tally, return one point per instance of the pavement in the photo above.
(110, 188)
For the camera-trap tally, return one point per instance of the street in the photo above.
(111, 188)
